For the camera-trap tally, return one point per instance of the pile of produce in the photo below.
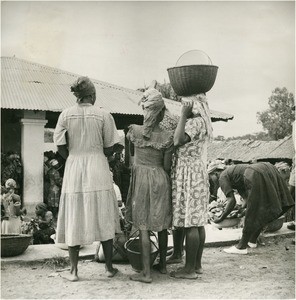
(216, 208)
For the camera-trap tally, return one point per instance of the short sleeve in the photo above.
(59, 136)
(193, 128)
(110, 134)
(225, 183)
(117, 192)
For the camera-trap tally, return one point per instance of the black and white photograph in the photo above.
(148, 149)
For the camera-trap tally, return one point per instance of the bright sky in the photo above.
(132, 43)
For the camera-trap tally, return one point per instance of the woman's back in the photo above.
(88, 128)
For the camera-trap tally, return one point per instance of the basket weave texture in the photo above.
(14, 244)
(193, 79)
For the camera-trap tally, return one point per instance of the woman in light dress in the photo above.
(88, 212)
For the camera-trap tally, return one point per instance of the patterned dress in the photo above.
(190, 184)
(149, 196)
(88, 209)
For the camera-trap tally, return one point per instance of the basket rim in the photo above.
(186, 66)
(15, 235)
(136, 252)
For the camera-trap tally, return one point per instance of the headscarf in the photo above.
(83, 87)
(10, 184)
(216, 165)
(201, 106)
(282, 166)
(152, 104)
(41, 206)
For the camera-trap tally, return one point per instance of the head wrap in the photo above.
(41, 206)
(201, 107)
(282, 166)
(152, 104)
(10, 184)
(215, 165)
(83, 87)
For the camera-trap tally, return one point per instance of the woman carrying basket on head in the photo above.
(149, 198)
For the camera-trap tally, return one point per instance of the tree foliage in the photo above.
(277, 120)
(257, 136)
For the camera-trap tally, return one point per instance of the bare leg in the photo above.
(178, 238)
(163, 245)
(108, 253)
(202, 238)
(192, 245)
(145, 275)
(243, 243)
(254, 236)
(73, 256)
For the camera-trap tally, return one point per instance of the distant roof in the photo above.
(247, 150)
(32, 86)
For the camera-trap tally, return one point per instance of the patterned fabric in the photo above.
(88, 206)
(190, 185)
(149, 199)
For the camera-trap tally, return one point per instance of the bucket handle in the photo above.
(137, 232)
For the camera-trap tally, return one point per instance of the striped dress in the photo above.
(88, 209)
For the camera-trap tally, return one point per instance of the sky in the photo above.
(132, 43)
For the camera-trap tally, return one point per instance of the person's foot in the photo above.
(234, 250)
(140, 277)
(252, 245)
(174, 260)
(199, 270)
(70, 277)
(160, 269)
(182, 274)
(111, 272)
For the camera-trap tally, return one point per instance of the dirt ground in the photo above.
(267, 272)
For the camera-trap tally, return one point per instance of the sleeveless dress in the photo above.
(149, 197)
(190, 184)
(88, 209)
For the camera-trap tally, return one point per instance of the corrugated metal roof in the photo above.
(247, 150)
(32, 86)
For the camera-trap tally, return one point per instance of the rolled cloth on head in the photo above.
(83, 87)
(10, 184)
(152, 104)
(216, 165)
(201, 106)
(41, 206)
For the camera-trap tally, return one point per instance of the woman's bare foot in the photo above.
(174, 259)
(199, 270)
(111, 272)
(159, 268)
(141, 277)
(70, 276)
(182, 274)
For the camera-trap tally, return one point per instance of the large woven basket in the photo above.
(14, 244)
(193, 79)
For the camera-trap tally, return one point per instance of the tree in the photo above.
(277, 120)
